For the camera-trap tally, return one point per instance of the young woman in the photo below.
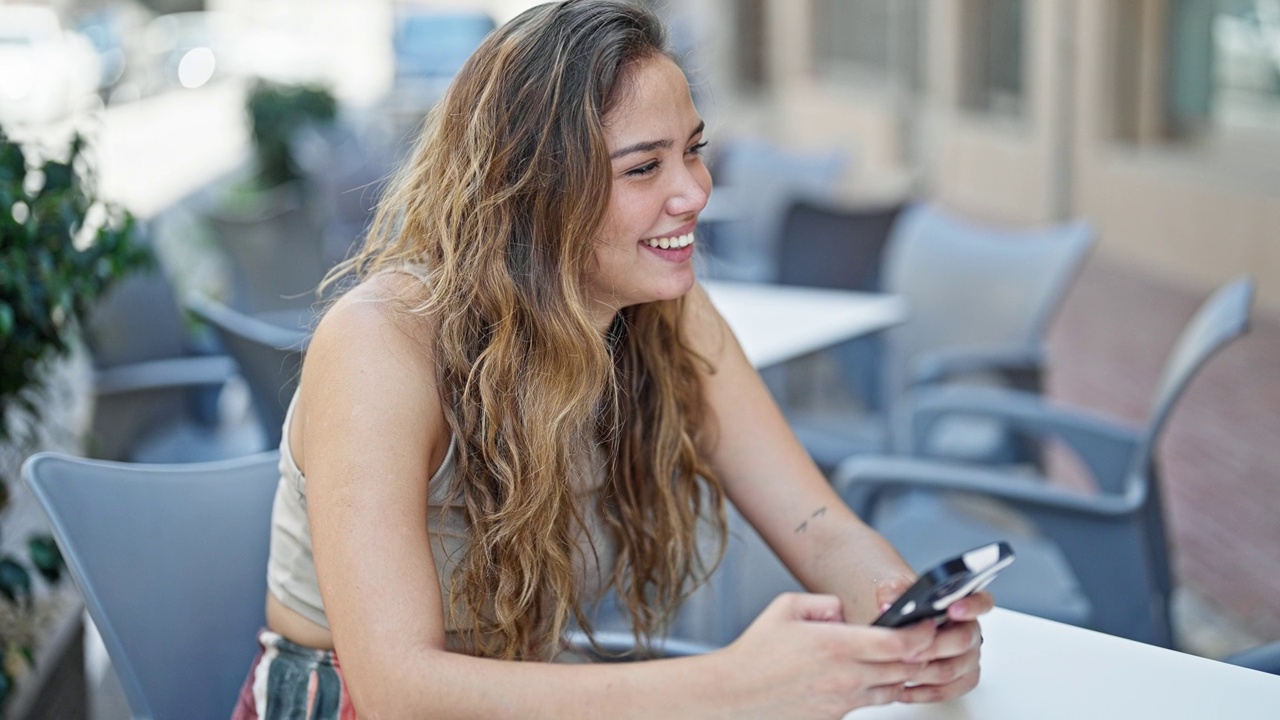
(526, 400)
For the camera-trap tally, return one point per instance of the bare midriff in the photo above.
(296, 628)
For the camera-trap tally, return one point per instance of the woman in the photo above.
(526, 399)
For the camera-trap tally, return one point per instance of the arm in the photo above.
(770, 478)
(372, 432)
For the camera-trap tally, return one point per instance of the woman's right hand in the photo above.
(799, 659)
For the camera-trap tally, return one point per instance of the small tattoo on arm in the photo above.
(804, 526)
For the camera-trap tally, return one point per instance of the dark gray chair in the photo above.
(1265, 658)
(172, 563)
(981, 298)
(268, 350)
(760, 180)
(831, 245)
(156, 388)
(1098, 560)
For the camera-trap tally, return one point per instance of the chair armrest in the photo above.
(1021, 365)
(195, 370)
(1265, 658)
(861, 479)
(1106, 447)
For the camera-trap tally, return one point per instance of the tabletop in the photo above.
(1036, 668)
(776, 323)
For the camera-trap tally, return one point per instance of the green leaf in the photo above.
(15, 581)
(46, 557)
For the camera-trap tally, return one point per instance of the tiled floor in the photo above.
(1220, 453)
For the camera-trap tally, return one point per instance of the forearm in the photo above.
(449, 685)
(845, 558)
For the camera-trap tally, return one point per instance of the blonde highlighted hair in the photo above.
(499, 205)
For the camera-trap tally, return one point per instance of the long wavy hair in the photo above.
(499, 206)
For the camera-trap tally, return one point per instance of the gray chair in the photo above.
(268, 350)
(1099, 560)
(172, 563)
(760, 180)
(981, 298)
(276, 250)
(156, 387)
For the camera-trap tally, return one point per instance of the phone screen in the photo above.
(946, 583)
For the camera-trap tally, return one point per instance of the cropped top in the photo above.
(291, 571)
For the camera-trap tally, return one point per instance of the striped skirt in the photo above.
(290, 681)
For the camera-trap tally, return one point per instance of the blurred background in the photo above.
(1156, 122)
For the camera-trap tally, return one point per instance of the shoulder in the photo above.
(378, 315)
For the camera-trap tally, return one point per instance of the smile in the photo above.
(671, 243)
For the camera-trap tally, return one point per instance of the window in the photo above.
(751, 61)
(868, 41)
(1243, 59)
(993, 52)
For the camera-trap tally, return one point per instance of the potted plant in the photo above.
(265, 222)
(61, 248)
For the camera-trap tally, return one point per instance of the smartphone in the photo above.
(946, 583)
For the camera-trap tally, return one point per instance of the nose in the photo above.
(690, 191)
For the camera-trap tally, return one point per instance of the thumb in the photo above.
(890, 589)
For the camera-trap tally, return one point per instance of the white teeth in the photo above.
(671, 243)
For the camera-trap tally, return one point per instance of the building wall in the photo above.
(1196, 212)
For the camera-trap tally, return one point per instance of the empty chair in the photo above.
(759, 181)
(830, 245)
(1100, 559)
(172, 563)
(156, 390)
(276, 250)
(980, 298)
(268, 355)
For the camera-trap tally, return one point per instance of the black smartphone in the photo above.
(946, 583)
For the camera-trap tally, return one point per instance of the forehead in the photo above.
(654, 103)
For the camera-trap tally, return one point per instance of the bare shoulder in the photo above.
(368, 373)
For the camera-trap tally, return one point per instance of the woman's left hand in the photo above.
(953, 667)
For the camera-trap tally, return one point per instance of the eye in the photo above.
(696, 149)
(646, 169)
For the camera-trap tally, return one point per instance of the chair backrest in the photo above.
(973, 285)
(138, 320)
(824, 244)
(172, 562)
(829, 245)
(1220, 319)
(276, 251)
(269, 357)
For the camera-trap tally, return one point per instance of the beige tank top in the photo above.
(291, 570)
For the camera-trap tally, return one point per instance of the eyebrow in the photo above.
(651, 145)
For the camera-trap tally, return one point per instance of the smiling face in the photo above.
(644, 249)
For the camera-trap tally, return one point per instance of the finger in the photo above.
(880, 695)
(890, 589)
(892, 673)
(955, 639)
(939, 693)
(877, 644)
(820, 608)
(947, 670)
(969, 608)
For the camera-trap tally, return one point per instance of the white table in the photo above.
(1034, 668)
(776, 323)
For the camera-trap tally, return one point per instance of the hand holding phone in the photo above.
(946, 583)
